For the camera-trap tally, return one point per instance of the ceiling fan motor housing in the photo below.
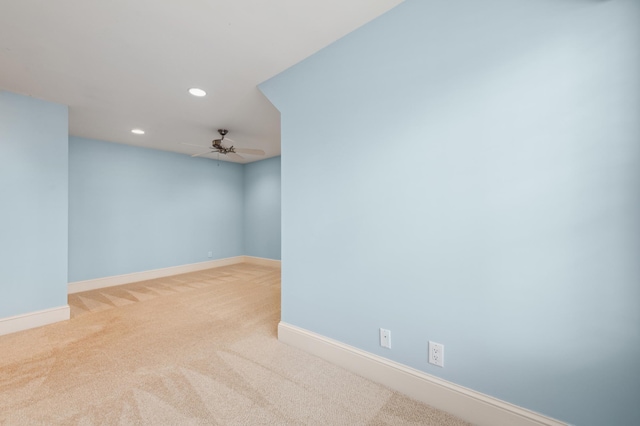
(217, 143)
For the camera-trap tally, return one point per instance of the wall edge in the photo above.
(470, 405)
(35, 319)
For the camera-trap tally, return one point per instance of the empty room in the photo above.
(388, 212)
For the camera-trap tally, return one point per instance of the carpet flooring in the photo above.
(192, 349)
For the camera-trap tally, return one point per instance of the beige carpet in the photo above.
(199, 349)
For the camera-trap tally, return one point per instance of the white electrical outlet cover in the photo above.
(436, 354)
(385, 338)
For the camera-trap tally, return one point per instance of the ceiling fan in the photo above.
(231, 151)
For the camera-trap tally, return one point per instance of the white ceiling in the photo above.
(124, 64)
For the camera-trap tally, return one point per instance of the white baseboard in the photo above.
(262, 261)
(78, 286)
(472, 406)
(34, 319)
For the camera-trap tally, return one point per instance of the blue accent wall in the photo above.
(469, 173)
(134, 209)
(33, 213)
(262, 208)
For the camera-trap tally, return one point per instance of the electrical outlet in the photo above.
(385, 338)
(210, 254)
(436, 354)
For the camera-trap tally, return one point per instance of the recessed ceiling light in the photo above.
(197, 92)
(138, 131)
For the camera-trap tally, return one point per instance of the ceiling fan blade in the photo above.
(190, 144)
(250, 151)
(235, 156)
(202, 153)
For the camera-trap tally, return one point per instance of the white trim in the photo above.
(34, 319)
(78, 286)
(470, 405)
(262, 261)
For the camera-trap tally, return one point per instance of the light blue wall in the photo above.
(33, 209)
(469, 173)
(133, 209)
(262, 208)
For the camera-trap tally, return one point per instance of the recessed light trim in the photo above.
(197, 92)
(137, 131)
